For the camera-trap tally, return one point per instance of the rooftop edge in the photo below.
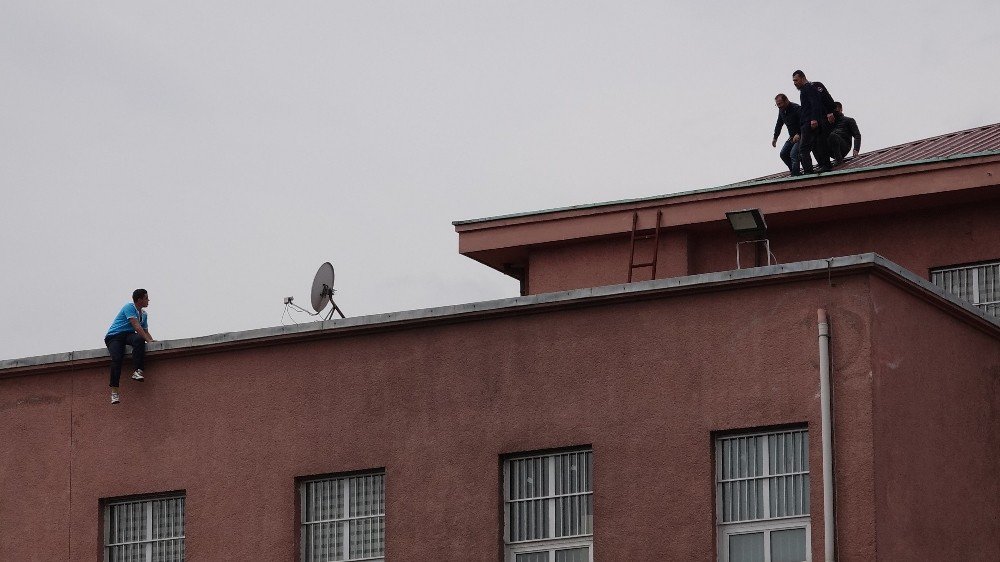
(727, 187)
(838, 264)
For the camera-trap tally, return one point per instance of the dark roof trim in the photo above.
(522, 305)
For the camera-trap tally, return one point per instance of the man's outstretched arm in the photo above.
(140, 330)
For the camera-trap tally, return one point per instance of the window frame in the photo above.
(975, 287)
(344, 477)
(767, 525)
(549, 545)
(147, 500)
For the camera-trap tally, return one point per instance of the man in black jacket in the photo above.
(817, 117)
(789, 115)
(844, 130)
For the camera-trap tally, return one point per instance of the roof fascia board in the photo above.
(721, 191)
(831, 191)
(532, 304)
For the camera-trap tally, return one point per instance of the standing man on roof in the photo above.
(817, 117)
(844, 130)
(130, 327)
(789, 115)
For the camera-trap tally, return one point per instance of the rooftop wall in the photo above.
(644, 381)
(937, 432)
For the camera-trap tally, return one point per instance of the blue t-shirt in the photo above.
(121, 323)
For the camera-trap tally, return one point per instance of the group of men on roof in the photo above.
(816, 126)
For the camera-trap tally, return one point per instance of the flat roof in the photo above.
(519, 305)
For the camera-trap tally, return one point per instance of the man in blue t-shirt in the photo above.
(130, 327)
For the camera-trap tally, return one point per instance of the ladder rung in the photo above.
(638, 265)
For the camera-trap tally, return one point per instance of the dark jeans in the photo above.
(116, 347)
(790, 156)
(839, 146)
(814, 141)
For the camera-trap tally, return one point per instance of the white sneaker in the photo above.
(115, 398)
(137, 375)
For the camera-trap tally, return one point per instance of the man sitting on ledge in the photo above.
(130, 327)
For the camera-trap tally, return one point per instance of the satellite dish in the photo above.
(322, 291)
(322, 288)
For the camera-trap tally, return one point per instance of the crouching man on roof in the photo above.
(130, 327)
(844, 130)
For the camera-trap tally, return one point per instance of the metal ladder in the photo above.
(655, 236)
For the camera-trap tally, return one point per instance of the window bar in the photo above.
(766, 472)
(346, 549)
(551, 461)
(975, 286)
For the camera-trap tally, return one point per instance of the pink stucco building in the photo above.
(681, 416)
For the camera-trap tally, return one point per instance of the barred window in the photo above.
(144, 530)
(978, 284)
(762, 495)
(549, 507)
(343, 518)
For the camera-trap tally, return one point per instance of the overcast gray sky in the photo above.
(216, 153)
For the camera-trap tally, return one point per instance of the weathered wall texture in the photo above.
(937, 433)
(917, 240)
(604, 261)
(645, 382)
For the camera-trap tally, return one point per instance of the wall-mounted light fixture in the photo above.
(750, 226)
(748, 222)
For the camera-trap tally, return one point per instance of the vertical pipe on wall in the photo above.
(825, 399)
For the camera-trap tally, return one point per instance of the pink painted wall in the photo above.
(917, 240)
(646, 383)
(35, 467)
(937, 433)
(604, 261)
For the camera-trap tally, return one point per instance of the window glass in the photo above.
(145, 530)
(788, 545)
(549, 504)
(746, 548)
(978, 284)
(762, 492)
(573, 555)
(343, 518)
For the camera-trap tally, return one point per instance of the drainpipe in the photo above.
(825, 400)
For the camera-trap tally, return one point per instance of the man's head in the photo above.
(799, 79)
(781, 100)
(837, 107)
(140, 297)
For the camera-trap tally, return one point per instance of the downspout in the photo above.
(825, 403)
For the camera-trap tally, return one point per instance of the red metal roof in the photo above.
(969, 141)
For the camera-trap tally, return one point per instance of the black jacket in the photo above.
(816, 102)
(791, 117)
(847, 128)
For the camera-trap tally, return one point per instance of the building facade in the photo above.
(677, 417)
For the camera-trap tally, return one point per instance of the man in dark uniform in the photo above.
(844, 130)
(789, 115)
(817, 116)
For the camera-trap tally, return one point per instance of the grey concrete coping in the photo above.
(593, 295)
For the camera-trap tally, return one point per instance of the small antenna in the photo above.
(320, 295)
